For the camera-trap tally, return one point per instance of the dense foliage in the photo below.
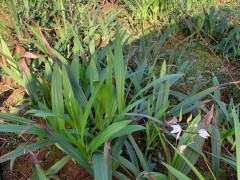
(99, 75)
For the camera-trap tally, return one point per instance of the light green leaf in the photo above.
(57, 166)
(107, 134)
(57, 97)
(175, 172)
(119, 69)
(235, 114)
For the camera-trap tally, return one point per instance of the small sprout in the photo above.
(182, 148)
(203, 133)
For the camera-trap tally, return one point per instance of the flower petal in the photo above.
(182, 148)
(203, 133)
(176, 128)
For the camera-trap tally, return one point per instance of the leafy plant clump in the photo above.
(220, 28)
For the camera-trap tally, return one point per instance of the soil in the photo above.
(23, 166)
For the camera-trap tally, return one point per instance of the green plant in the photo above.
(221, 27)
(94, 98)
(93, 117)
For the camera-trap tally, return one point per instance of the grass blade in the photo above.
(191, 99)
(15, 119)
(99, 166)
(237, 138)
(24, 149)
(139, 154)
(57, 97)
(216, 148)
(175, 172)
(57, 166)
(127, 164)
(119, 70)
(107, 134)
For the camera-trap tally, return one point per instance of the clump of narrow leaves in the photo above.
(94, 100)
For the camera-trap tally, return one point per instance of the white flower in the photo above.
(182, 148)
(203, 133)
(176, 128)
(195, 125)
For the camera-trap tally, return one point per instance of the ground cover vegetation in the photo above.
(143, 89)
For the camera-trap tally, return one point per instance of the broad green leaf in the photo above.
(117, 147)
(172, 78)
(77, 90)
(119, 71)
(89, 106)
(229, 160)
(119, 175)
(228, 133)
(145, 116)
(24, 149)
(127, 164)
(128, 130)
(73, 107)
(107, 134)
(191, 99)
(217, 93)
(105, 103)
(75, 67)
(99, 167)
(57, 166)
(40, 113)
(216, 148)
(57, 97)
(15, 119)
(26, 8)
(29, 81)
(235, 114)
(13, 128)
(132, 155)
(5, 51)
(163, 92)
(223, 108)
(139, 154)
(92, 71)
(38, 173)
(175, 172)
